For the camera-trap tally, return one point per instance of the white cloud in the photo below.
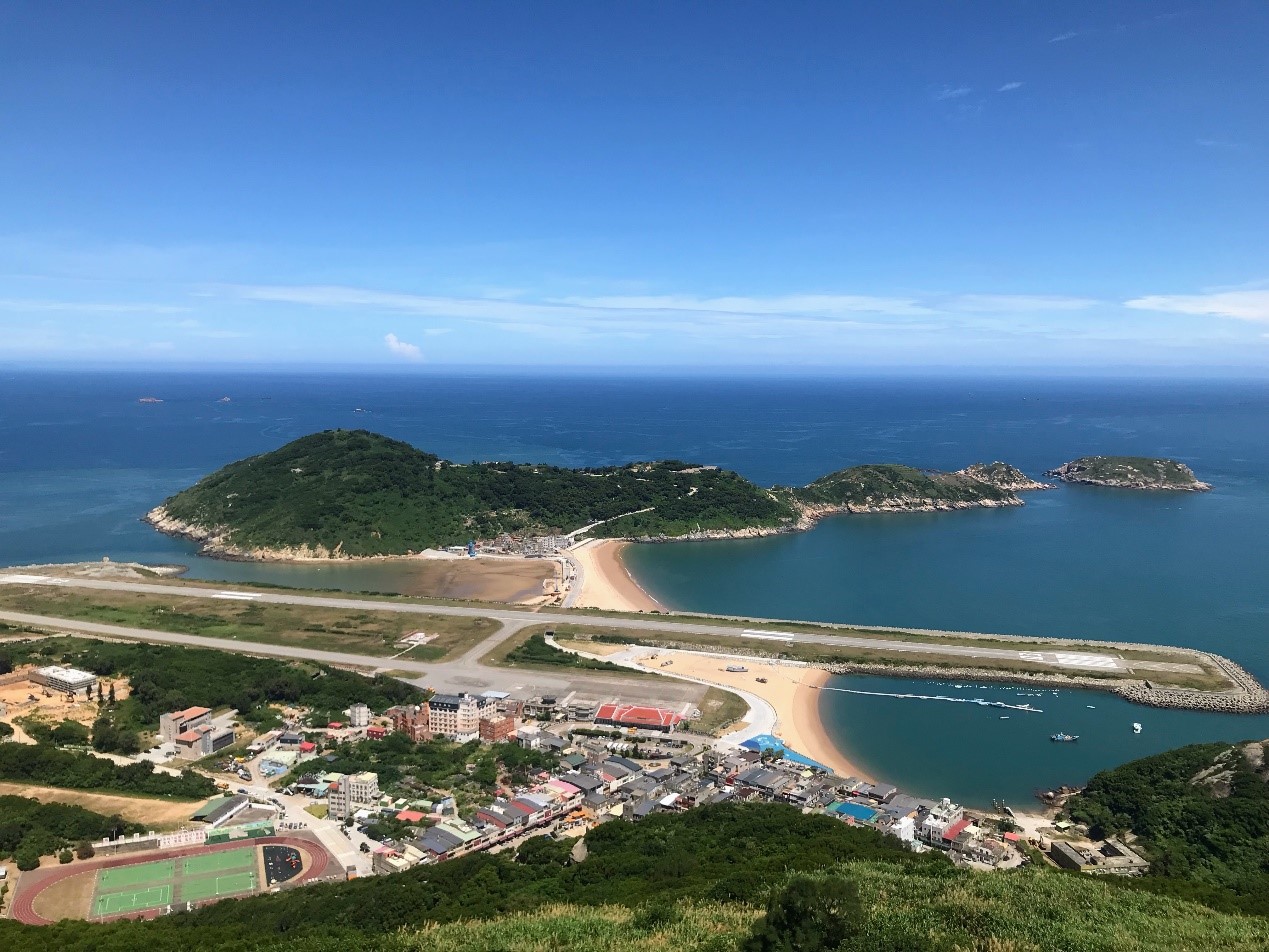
(1063, 37)
(401, 348)
(1222, 144)
(1009, 87)
(952, 92)
(1239, 305)
(799, 304)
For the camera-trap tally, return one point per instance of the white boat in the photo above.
(1136, 728)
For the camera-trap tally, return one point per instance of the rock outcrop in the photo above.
(1003, 476)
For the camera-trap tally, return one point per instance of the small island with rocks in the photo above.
(1130, 472)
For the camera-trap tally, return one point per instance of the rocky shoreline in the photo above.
(214, 543)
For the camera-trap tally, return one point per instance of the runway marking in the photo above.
(32, 580)
(767, 635)
(237, 596)
(1085, 660)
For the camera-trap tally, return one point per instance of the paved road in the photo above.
(1075, 659)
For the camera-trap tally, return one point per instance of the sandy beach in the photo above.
(791, 690)
(606, 583)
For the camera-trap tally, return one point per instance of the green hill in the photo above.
(889, 486)
(359, 493)
(1201, 815)
(355, 493)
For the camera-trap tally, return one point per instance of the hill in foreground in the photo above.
(694, 881)
(350, 493)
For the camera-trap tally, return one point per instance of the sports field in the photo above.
(192, 879)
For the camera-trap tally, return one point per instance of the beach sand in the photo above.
(792, 690)
(606, 583)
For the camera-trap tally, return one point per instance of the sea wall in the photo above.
(1246, 695)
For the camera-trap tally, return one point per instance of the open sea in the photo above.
(81, 461)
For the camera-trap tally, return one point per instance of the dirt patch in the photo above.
(69, 898)
(157, 815)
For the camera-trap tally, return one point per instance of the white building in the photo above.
(70, 680)
(174, 724)
(358, 715)
(350, 792)
(457, 716)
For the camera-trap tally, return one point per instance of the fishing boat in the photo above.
(1136, 728)
(1061, 738)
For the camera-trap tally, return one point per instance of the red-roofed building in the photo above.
(307, 747)
(633, 715)
(376, 733)
(181, 722)
(335, 726)
(955, 830)
(410, 816)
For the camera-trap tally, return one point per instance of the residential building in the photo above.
(350, 792)
(456, 716)
(358, 716)
(181, 722)
(413, 720)
(497, 730)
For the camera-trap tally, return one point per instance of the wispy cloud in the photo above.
(32, 306)
(1018, 303)
(1223, 144)
(1063, 37)
(799, 304)
(403, 349)
(1240, 305)
(1009, 87)
(951, 92)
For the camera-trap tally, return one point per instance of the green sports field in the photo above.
(192, 879)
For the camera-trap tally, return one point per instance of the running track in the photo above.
(24, 898)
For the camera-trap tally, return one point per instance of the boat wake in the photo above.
(981, 702)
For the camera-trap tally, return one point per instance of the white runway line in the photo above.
(766, 635)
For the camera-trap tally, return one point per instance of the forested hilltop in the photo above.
(350, 493)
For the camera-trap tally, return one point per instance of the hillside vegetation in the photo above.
(1129, 472)
(742, 877)
(355, 493)
(359, 493)
(1201, 814)
(891, 486)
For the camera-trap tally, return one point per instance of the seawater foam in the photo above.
(982, 702)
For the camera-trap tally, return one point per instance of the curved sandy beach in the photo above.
(606, 582)
(791, 691)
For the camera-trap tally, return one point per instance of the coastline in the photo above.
(606, 581)
(789, 692)
(809, 735)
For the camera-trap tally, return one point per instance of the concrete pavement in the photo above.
(1076, 659)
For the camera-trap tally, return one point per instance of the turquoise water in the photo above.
(81, 461)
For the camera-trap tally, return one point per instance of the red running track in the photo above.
(24, 898)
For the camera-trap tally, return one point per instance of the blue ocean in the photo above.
(81, 460)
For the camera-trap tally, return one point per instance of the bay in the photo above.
(81, 460)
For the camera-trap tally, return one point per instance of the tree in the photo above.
(6, 664)
(100, 696)
(65, 856)
(85, 850)
(27, 858)
(808, 915)
(110, 698)
(69, 734)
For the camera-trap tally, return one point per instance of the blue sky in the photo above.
(816, 185)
